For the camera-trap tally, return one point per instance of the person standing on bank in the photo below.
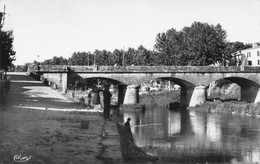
(107, 99)
(96, 98)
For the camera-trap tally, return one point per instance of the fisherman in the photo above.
(128, 134)
(127, 123)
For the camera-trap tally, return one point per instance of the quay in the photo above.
(42, 125)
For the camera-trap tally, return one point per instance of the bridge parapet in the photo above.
(177, 69)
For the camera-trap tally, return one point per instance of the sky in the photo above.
(43, 29)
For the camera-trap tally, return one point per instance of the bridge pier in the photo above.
(121, 94)
(132, 95)
(257, 99)
(186, 93)
(198, 96)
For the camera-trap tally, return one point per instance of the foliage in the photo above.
(81, 58)
(141, 56)
(236, 46)
(103, 57)
(21, 68)
(200, 44)
(7, 54)
(170, 47)
(233, 48)
(55, 61)
(117, 57)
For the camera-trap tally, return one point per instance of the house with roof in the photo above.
(247, 57)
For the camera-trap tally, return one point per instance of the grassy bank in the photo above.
(232, 107)
(162, 98)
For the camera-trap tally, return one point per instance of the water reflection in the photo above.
(189, 136)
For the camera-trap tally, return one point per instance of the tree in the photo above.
(7, 54)
(200, 44)
(81, 58)
(55, 61)
(21, 68)
(233, 49)
(117, 57)
(130, 56)
(143, 56)
(103, 57)
(236, 46)
(164, 45)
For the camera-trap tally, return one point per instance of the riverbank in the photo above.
(230, 107)
(38, 122)
(165, 98)
(162, 98)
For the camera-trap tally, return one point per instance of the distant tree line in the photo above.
(139, 56)
(197, 45)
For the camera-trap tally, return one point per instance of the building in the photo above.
(247, 57)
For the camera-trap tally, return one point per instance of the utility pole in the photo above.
(88, 58)
(123, 61)
(94, 58)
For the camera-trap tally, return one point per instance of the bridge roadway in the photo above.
(52, 136)
(193, 80)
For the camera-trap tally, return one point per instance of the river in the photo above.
(196, 137)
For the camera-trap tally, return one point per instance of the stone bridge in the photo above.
(193, 80)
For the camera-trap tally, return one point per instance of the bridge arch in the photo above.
(187, 89)
(249, 88)
(112, 81)
(122, 87)
(178, 81)
(125, 83)
(241, 81)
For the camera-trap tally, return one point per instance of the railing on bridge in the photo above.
(4, 84)
(177, 69)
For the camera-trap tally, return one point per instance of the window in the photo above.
(258, 53)
(248, 54)
(258, 62)
(249, 62)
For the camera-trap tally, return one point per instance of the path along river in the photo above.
(196, 137)
(176, 137)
